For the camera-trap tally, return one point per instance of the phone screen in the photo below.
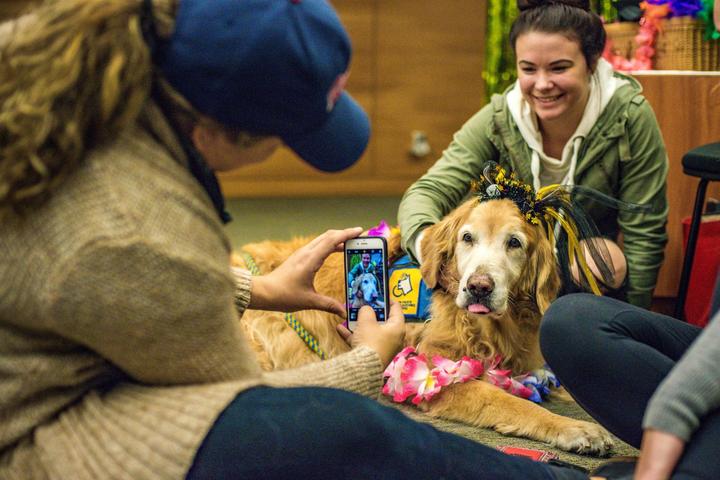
(366, 281)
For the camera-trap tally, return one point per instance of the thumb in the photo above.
(366, 315)
(395, 316)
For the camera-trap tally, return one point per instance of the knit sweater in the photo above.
(119, 335)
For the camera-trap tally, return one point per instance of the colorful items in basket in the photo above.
(410, 375)
(645, 39)
(650, 25)
(700, 9)
(680, 8)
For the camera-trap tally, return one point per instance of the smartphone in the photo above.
(366, 279)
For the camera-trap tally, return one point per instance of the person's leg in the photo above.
(319, 433)
(611, 356)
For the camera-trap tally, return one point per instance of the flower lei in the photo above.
(409, 375)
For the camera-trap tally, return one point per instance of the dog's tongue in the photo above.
(477, 308)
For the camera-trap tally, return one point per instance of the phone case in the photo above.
(366, 277)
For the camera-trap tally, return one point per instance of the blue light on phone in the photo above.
(352, 261)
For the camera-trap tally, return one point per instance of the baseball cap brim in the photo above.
(339, 142)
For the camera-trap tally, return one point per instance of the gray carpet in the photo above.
(494, 439)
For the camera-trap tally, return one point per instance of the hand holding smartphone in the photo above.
(366, 280)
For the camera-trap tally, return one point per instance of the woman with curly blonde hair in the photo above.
(65, 89)
(119, 339)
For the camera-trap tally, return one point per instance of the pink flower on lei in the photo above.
(458, 372)
(408, 374)
(504, 379)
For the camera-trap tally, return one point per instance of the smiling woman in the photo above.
(554, 80)
(569, 119)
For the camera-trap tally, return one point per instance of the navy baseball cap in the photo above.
(270, 67)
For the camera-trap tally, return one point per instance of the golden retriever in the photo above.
(493, 275)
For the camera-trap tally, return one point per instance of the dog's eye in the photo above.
(514, 243)
(467, 237)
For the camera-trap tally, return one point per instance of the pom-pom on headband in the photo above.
(555, 207)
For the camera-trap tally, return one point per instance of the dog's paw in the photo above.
(583, 437)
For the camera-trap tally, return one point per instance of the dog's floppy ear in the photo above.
(544, 273)
(438, 244)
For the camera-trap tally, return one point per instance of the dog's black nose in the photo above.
(481, 286)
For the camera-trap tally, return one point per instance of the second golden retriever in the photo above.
(493, 275)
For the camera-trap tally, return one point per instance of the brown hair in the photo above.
(72, 73)
(572, 18)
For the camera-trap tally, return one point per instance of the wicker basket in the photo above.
(622, 36)
(680, 44)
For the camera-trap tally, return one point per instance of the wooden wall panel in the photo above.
(687, 107)
(430, 61)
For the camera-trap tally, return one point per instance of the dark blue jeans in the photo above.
(320, 433)
(611, 356)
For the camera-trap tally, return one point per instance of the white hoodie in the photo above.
(547, 170)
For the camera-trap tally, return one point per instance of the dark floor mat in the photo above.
(494, 439)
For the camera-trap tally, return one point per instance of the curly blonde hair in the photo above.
(72, 73)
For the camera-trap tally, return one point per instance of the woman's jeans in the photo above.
(321, 433)
(612, 356)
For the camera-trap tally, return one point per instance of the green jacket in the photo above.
(622, 156)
